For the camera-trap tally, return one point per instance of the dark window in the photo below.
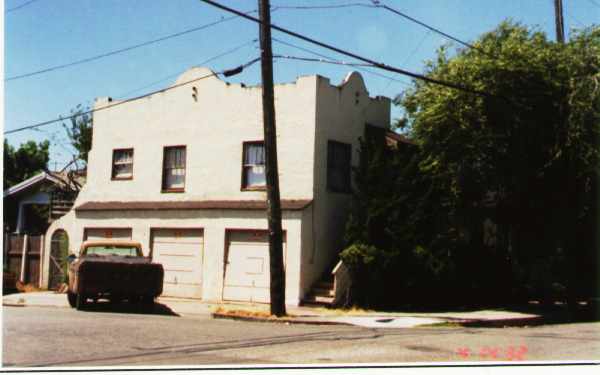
(173, 168)
(253, 166)
(122, 168)
(338, 166)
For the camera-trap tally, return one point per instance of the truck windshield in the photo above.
(111, 250)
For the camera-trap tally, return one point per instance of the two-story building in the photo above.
(182, 171)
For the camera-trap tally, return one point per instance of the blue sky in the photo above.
(46, 33)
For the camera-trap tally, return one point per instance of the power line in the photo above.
(228, 52)
(125, 49)
(19, 6)
(594, 3)
(380, 65)
(431, 28)
(226, 73)
(330, 58)
(379, 5)
(319, 60)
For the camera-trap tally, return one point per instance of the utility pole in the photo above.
(560, 26)
(277, 288)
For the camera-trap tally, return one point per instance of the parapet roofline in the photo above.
(200, 71)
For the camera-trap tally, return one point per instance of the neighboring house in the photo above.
(31, 205)
(29, 208)
(182, 171)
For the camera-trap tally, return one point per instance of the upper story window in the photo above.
(338, 166)
(122, 166)
(253, 166)
(173, 179)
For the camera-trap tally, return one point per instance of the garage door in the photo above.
(247, 276)
(92, 234)
(180, 251)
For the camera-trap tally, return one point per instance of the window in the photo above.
(122, 168)
(338, 166)
(253, 166)
(173, 169)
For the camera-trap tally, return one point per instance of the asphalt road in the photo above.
(36, 336)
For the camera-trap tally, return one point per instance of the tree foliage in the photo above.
(24, 162)
(525, 156)
(79, 131)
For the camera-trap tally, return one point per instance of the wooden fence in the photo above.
(23, 255)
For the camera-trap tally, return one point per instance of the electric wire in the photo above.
(125, 49)
(279, 41)
(170, 76)
(341, 51)
(380, 5)
(19, 6)
(226, 73)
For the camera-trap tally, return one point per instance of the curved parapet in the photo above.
(196, 72)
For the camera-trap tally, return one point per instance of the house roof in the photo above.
(57, 178)
(286, 204)
(30, 182)
(395, 138)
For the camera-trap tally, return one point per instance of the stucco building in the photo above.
(182, 172)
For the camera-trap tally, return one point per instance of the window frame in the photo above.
(113, 177)
(165, 189)
(243, 185)
(347, 188)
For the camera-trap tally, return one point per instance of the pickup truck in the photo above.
(113, 269)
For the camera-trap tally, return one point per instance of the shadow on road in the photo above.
(129, 308)
(553, 314)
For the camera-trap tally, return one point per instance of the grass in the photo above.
(250, 312)
(353, 311)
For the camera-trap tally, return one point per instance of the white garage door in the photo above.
(247, 276)
(180, 251)
(94, 234)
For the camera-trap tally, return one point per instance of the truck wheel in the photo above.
(72, 298)
(81, 301)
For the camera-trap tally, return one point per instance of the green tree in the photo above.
(533, 142)
(26, 161)
(79, 131)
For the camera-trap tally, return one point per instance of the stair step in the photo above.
(314, 304)
(317, 298)
(324, 285)
(323, 292)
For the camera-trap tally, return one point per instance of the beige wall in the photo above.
(309, 112)
(214, 223)
(213, 129)
(342, 112)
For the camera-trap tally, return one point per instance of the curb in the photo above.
(498, 323)
(276, 320)
(13, 304)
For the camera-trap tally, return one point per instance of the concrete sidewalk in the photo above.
(305, 315)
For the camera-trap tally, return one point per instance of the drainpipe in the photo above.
(23, 259)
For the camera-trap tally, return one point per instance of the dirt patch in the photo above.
(248, 313)
(27, 288)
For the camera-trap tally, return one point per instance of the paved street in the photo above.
(40, 336)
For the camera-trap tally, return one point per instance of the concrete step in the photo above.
(323, 285)
(316, 298)
(314, 304)
(323, 292)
